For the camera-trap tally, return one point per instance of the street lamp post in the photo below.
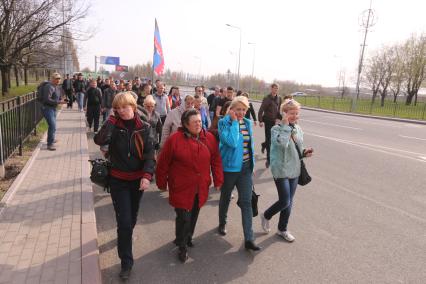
(239, 56)
(252, 66)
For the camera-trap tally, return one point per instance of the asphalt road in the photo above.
(361, 220)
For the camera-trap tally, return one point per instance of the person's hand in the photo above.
(217, 188)
(277, 121)
(308, 152)
(144, 184)
(285, 118)
(232, 114)
(255, 123)
(261, 124)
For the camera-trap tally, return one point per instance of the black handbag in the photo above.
(304, 177)
(100, 173)
(254, 200)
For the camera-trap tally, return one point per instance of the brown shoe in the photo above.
(51, 148)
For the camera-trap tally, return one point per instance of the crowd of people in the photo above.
(187, 143)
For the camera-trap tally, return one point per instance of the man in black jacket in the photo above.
(67, 87)
(269, 115)
(92, 105)
(80, 88)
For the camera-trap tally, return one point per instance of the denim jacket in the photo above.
(231, 143)
(285, 161)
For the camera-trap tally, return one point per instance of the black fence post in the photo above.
(18, 100)
(35, 112)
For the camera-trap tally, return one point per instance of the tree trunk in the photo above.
(374, 97)
(382, 100)
(26, 75)
(9, 80)
(415, 99)
(36, 75)
(15, 69)
(409, 98)
(4, 81)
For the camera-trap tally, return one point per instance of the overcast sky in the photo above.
(307, 41)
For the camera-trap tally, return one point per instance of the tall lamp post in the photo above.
(252, 66)
(239, 55)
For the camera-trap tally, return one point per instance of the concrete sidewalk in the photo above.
(47, 222)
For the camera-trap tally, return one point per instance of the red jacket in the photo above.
(184, 166)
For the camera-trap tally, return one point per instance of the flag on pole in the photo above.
(158, 60)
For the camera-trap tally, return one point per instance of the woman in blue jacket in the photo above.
(285, 166)
(237, 151)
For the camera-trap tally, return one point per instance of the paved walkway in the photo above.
(47, 223)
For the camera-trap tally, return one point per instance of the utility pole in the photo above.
(63, 38)
(367, 20)
(239, 55)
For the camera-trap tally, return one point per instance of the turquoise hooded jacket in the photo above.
(231, 143)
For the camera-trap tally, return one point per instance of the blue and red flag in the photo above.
(158, 61)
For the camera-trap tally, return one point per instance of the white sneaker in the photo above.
(265, 223)
(286, 235)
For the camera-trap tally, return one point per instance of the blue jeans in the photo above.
(286, 189)
(244, 183)
(49, 114)
(80, 100)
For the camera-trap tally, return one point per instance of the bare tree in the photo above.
(414, 62)
(372, 75)
(25, 22)
(398, 74)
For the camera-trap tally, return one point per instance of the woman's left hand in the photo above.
(144, 184)
(308, 152)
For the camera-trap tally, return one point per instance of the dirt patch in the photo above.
(15, 164)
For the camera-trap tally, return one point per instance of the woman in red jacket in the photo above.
(184, 167)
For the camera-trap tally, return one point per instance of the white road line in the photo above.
(385, 150)
(331, 124)
(411, 137)
(377, 202)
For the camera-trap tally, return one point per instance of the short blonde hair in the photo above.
(148, 99)
(239, 100)
(289, 104)
(124, 99)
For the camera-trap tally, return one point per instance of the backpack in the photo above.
(40, 91)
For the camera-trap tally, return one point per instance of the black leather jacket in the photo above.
(131, 154)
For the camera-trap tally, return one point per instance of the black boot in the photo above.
(222, 230)
(125, 273)
(183, 254)
(250, 245)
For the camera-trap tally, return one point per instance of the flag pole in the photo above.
(153, 54)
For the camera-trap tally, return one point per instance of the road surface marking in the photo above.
(386, 150)
(411, 137)
(377, 202)
(331, 124)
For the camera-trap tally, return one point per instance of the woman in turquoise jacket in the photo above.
(285, 166)
(237, 151)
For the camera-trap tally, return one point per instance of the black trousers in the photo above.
(126, 198)
(70, 98)
(93, 113)
(185, 223)
(267, 144)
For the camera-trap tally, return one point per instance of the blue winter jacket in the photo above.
(231, 143)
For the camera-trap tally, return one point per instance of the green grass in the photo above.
(19, 91)
(390, 109)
